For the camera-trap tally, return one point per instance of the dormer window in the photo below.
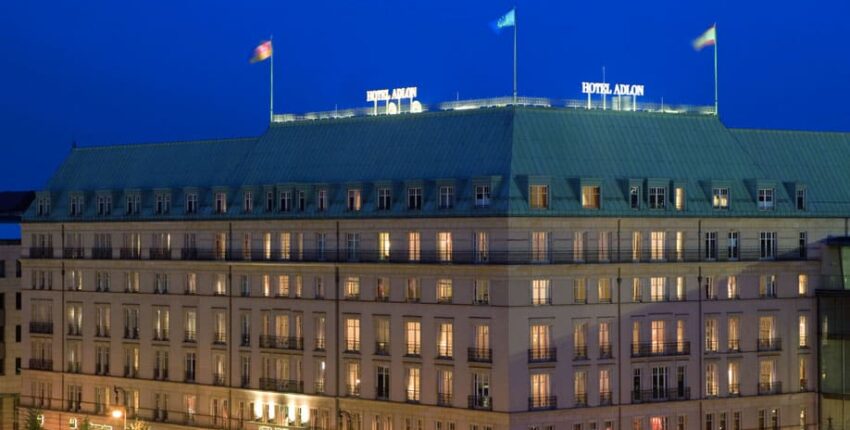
(720, 198)
(591, 196)
(76, 208)
(248, 202)
(269, 201)
(42, 206)
(482, 196)
(414, 198)
(634, 197)
(680, 198)
(301, 200)
(285, 201)
(133, 204)
(801, 199)
(538, 196)
(322, 200)
(192, 203)
(354, 200)
(447, 196)
(104, 205)
(162, 205)
(220, 202)
(657, 197)
(765, 199)
(385, 199)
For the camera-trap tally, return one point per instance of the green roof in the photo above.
(508, 148)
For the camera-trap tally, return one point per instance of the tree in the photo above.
(86, 424)
(138, 425)
(33, 419)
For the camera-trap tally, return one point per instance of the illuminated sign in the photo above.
(398, 94)
(604, 88)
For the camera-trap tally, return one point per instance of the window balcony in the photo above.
(41, 252)
(712, 345)
(542, 355)
(320, 344)
(130, 254)
(73, 253)
(767, 388)
(282, 342)
(245, 381)
(75, 330)
(74, 367)
(734, 390)
(542, 403)
(101, 253)
(219, 338)
(411, 396)
(319, 386)
(41, 364)
(352, 390)
(444, 352)
(484, 403)
(245, 340)
(218, 379)
(352, 347)
(160, 374)
(769, 344)
(660, 349)
(131, 372)
(604, 398)
(131, 333)
(480, 355)
(160, 253)
(734, 345)
(413, 350)
(804, 384)
(580, 352)
(605, 352)
(444, 399)
(661, 395)
(382, 348)
(190, 336)
(101, 369)
(41, 327)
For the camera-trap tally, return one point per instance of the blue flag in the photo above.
(507, 20)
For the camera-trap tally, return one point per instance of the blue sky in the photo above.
(108, 72)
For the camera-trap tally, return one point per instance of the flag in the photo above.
(507, 20)
(262, 52)
(709, 38)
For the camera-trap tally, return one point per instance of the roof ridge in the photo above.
(168, 143)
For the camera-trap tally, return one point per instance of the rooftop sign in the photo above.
(397, 94)
(606, 89)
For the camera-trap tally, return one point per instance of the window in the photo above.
(765, 198)
(732, 287)
(580, 340)
(191, 203)
(482, 292)
(352, 288)
(637, 290)
(590, 196)
(711, 245)
(580, 290)
(444, 291)
(734, 333)
(481, 244)
(285, 201)
(711, 335)
(539, 247)
(801, 199)
(720, 198)
(680, 198)
(220, 202)
(352, 334)
(711, 382)
(104, 204)
(604, 339)
(732, 249)
(802, 284)
(803, 245)
(657, 336)
(604, 245)
(352, 378)
(767, 245)
(482, 196)
(352, 243)
(383, 246)
(247, 202)
(658, 289)
(637, 245)
(634, 197)
(540, 391)
(710, 288)
(444, 246)
(414, 246)
(382, 383)
(43, 206)
(414, 198)
(384, 199)
(656, 242)
(412, 293)
(134, 201)
(413, 336)
(322, 200)
(803, 327)
(538, 196)
(578, 246)
(540, 293)
(657, 197)
(604, 290)
(447, 196)
(353, 200)
(445, 340)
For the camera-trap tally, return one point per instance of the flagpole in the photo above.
(515, 28)
(271, 81)
(716, 104)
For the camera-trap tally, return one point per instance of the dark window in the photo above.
(414, 198)
(2, 268)
(17, 365)
(18, 268)
(634, 197)
(18, 333)
(801, 199)
(17, 301)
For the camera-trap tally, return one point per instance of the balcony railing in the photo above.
(282, 342)
(734, 389)
(320, 344)
(414, 349)
(411, 396)
(605, 351)
(351, 347)
(131, 332)
(661, 395)
(539, 403)
(769, 344)
(735, 345)
(480, 402)
(101, 253)
(382, 348)
(159, 253)
(218, 379)
(542, 355)
(444, 399)
(580, 400)
(190, 336)
(657, 349)
(604, 398)
(774, 387)
(160, 373)
(41, 327)
(41, 364)
(41, 252)
(589, 256)
(352, 390)
(580, 352)
(480, 355)
(445, 352)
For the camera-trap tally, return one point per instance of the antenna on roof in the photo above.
(603, 81)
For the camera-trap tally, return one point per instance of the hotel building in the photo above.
(498, 268)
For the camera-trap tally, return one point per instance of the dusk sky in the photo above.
(110, 72)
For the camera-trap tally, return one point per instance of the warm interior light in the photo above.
(116, 413)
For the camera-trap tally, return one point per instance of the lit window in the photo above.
(803, 324)
(414, 198)
(539, 247)
(447, 197)
(680, 198)
(354, 199)
(482, 196)
(657, 239)
(384, 246)
(539, 196)
(765, 198)
(590, 196)
(444, 246)
(540, 293)
(413, 334)
(444, 291)
(352, 287)
(720, 198)
(352, 334)
(413, 246)
(220, 203)
(802, 284)
(604, 290)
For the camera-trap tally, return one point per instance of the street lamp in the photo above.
(120, 413)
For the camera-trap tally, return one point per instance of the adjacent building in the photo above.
(488, 269)
(10, 331)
